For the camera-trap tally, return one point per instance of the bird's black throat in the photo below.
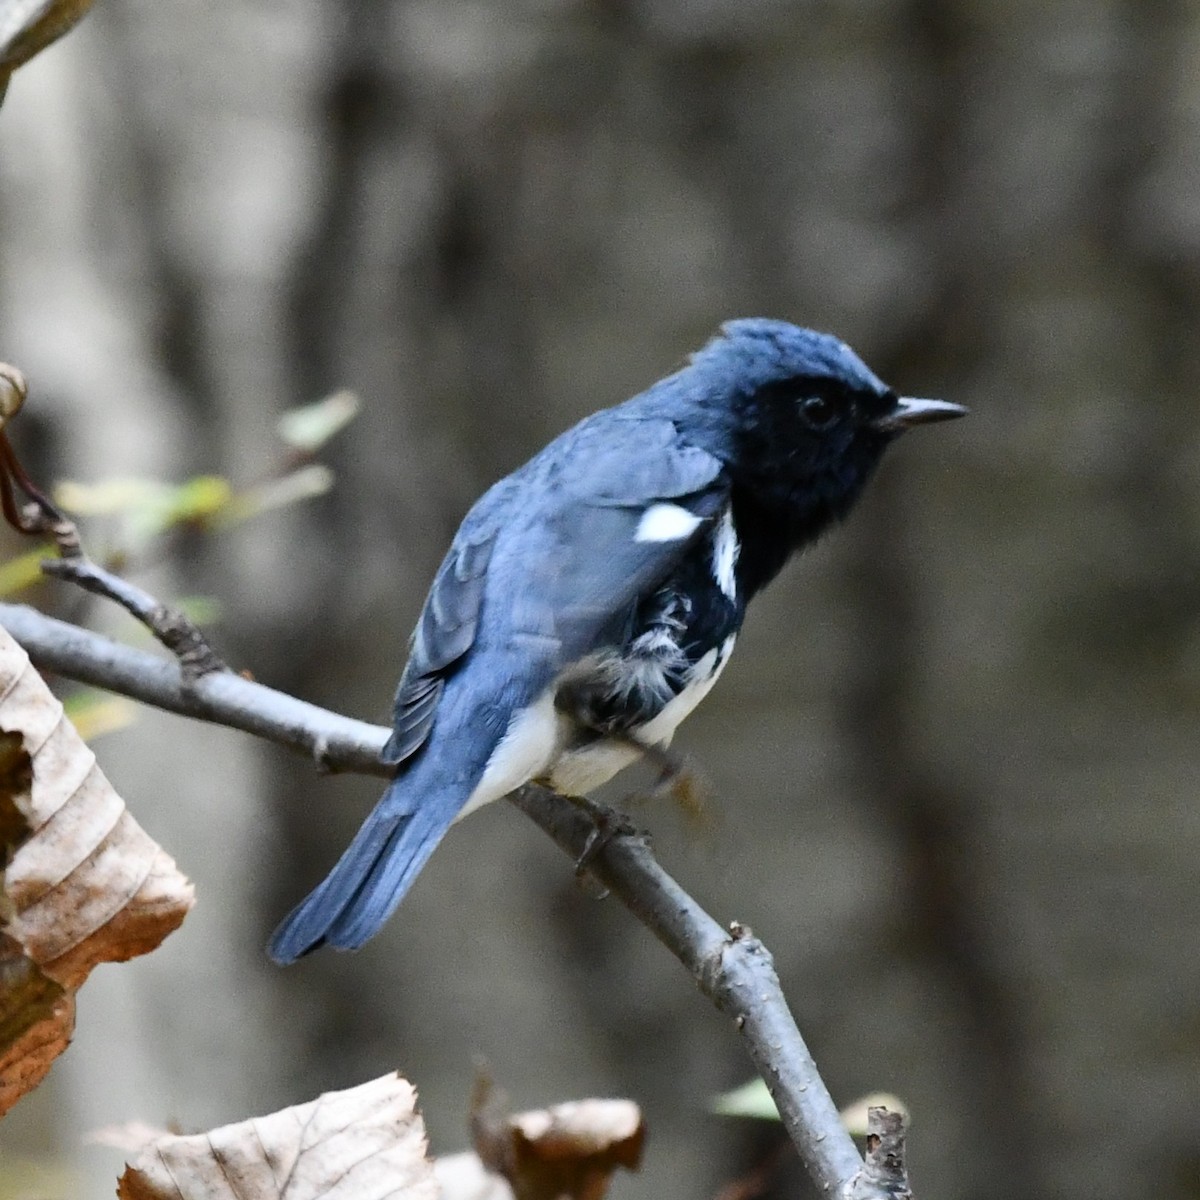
(791, 482)
(771, 528)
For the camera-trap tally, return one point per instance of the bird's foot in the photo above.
(607, 823)
(679, 781)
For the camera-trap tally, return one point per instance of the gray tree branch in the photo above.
(732, 968)
(222, 697)
(172, 627)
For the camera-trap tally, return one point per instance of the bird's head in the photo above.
(803, 420)
(801, 410)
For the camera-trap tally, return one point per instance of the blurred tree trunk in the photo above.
(979, 697)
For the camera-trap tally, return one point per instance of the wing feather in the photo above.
(555, 546)
(445, 631)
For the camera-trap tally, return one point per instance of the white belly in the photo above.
(535, 745)
(534, 737)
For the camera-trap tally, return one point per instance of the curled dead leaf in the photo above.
(82, 883)
(366, 1143)
(37, 1016)
(567, 1150)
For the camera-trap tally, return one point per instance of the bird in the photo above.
(590, 600)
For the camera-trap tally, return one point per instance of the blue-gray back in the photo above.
(546, 563)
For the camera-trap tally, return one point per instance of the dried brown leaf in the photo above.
(83, 883)
(568, 1150)
(37, 1017)
(27, 26)
(367, 1143)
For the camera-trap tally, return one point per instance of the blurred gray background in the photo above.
(955, 757)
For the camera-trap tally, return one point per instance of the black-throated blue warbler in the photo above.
(590, 599)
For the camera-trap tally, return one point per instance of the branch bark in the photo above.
(734, 969)
(335, 742)
(885, 1169)
(170, 626)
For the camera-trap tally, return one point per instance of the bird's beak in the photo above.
(910, 411)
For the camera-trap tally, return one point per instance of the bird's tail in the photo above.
(368, 882)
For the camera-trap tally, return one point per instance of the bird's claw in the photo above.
(680, 781)
(607, 823)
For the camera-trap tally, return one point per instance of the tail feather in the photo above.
(366, 884)
(407, 851)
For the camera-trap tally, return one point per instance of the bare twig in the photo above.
(41, 516)
(28, 26)
(733, 969)
(884, 1172)
(335, 742)
(177, 632)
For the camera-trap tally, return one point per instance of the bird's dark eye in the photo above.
(819, 412)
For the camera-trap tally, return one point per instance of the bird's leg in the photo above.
(678, 780)
(607, 823)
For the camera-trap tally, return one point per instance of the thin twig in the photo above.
(223, 698)
(41, 516)
(177, 632)
(732, 968)
(885, 1171)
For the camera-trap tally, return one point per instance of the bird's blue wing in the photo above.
(586, 556)
(444, 633)
(552, 552)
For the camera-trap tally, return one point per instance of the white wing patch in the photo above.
(534, 743)
(725, 555)
(666, 523)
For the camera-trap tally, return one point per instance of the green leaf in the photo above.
(197, 498)
(303, 484)
(96, 713)
(753, 1100)
(109, 496)
(750, 1100)
(200, 610)
(309, 427)
(149, 507)
(24, 571)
